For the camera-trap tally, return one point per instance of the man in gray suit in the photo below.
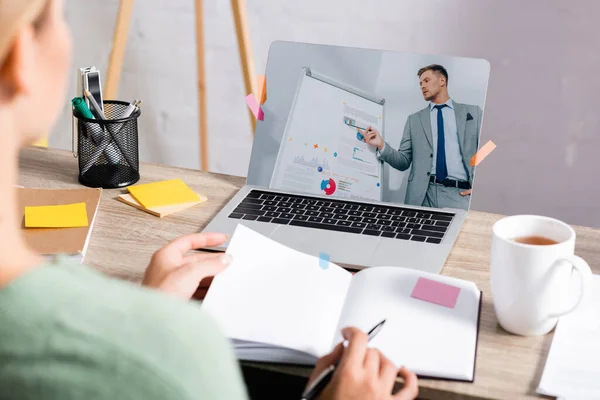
(439, 142)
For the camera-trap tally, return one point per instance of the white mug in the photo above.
(531, 283)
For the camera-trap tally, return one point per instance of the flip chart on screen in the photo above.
(322, 151)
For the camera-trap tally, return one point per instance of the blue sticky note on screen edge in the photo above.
(324, 260)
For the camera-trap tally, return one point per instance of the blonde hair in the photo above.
(14, 14)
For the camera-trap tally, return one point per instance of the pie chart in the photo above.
(328, 186)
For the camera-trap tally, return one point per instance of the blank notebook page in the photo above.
(277, 295)
(428, 338)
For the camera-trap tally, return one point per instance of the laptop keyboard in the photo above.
(343, 216)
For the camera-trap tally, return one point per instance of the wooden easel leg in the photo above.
(115, 65)
(245, 49)
(202, 114)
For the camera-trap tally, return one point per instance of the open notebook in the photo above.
(282, 306)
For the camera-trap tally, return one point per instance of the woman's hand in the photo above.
(363, 373)
(177, 273)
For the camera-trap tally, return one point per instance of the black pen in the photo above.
(324, 377)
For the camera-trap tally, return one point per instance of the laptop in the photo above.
(320, 183)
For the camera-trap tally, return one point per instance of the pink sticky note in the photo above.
(436, 292)
(255, 107)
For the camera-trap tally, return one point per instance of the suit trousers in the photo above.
(440, 196)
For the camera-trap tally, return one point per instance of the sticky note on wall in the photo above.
(255, 107)
(261, 84)
(482, 153)
(59, 216)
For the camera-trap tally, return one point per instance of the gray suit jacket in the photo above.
(416, 147)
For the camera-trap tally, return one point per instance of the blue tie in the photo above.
(441, 171)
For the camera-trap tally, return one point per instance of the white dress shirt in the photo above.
(454, 161)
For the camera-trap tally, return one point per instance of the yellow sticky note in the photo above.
(43, 142)
(163, 193)
(61, 216)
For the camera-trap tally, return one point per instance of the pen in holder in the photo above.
(107, 148)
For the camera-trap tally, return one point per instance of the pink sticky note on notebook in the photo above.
(436, 292)
(255, 107)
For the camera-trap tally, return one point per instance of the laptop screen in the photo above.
(372, 125)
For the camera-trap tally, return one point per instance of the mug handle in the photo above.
(584, 270)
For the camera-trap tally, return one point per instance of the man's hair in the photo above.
(435, 68)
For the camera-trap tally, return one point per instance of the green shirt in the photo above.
(68, 332)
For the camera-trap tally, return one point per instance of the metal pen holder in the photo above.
(108, 149)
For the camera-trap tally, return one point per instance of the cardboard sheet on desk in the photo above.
(56, 216)
(162, 211)
(163, 193)
(56, 240)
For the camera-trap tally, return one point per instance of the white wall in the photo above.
(541, 102)
(160, 69)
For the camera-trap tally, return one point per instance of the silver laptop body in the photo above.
(355, 249)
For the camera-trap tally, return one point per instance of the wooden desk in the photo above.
(124, 239)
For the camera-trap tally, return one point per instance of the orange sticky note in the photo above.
(261, 84)
(482, 153)
(163, 193)
(61, 216)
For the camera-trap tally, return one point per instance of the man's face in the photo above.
(431, 84)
